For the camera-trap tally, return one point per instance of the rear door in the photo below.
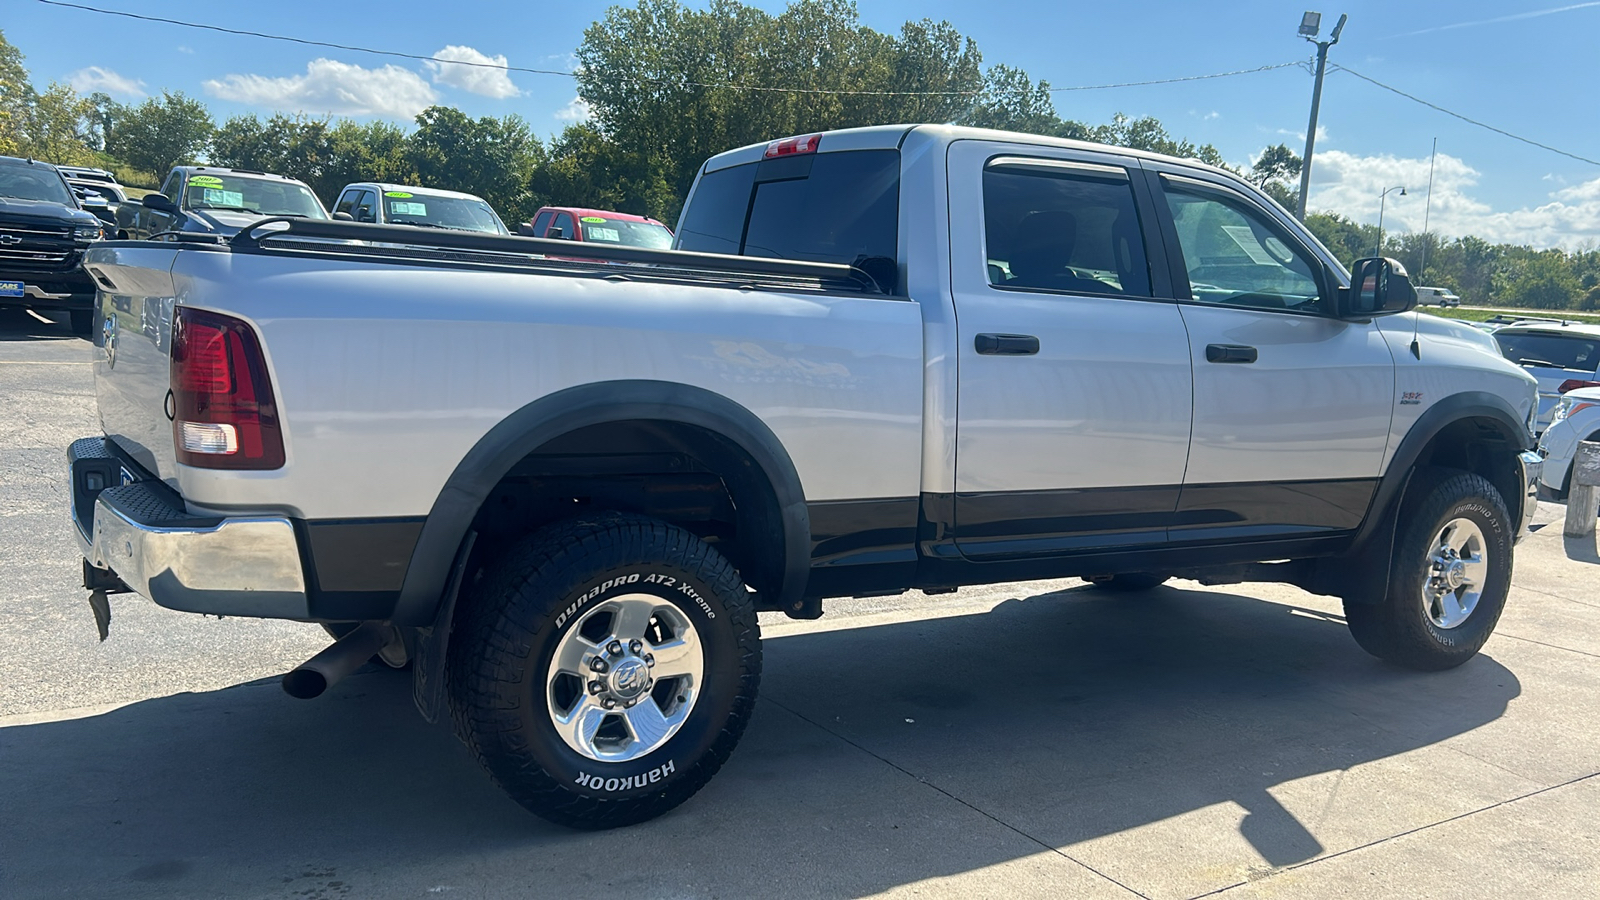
(1292, 407)
(1074, 392)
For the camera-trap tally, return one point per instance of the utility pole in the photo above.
(1310, 24)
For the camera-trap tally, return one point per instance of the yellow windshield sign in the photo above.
(400, 194)
(595, 219)
(206, 180)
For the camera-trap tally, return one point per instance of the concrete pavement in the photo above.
(1019, 740)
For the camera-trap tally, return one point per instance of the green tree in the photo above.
(1543, 281)
(493, 158)
(1345, 238)
(161, 133)
(53, 129)
(16, 97)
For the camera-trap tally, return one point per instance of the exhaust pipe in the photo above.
(347, 654)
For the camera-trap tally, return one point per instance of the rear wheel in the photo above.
(603, 670)
(1449, 578)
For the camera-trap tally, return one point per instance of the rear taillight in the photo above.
(1572, 384)
(793, 146)
(225, 414)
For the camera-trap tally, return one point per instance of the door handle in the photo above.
(1006, 344)
(1230, 353)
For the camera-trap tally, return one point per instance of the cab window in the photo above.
(1235, 256)
(1057, 227)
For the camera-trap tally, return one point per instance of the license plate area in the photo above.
(12, 289)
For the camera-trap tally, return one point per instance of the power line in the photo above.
(663, 81)
(1470, 121)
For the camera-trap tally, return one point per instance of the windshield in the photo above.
(460, 213)
(269, 197)
(27, 182)
(601, 230)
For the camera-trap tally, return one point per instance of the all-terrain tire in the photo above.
(1129, 582)
(1400, 628)
(539, 596)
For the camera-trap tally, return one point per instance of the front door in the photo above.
(1074, 384)
(1292, 407)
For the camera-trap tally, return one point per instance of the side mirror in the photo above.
(343, 217)
(159, 203)
(526, 230)
(555, 234)
(1378, 287)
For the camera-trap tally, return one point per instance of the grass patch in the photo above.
(1484, 315)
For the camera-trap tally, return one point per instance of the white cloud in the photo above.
(1212, 115)
(575, 111)
(94, 78)
(1350, 185)
(481, 77)
(330, 86)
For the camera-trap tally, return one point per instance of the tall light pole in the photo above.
(1381, 198)
(1310, 24)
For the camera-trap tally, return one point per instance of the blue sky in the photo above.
(1528, 68)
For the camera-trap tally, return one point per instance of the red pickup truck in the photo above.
(599, 226)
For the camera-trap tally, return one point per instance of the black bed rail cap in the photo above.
(255, 236)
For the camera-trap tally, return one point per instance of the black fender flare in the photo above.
(553, 415)
(1362, 575)
(1438, 417)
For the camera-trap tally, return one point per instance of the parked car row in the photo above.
(48, 213)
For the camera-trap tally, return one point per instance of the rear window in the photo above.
(1559, 351)
(824, 207)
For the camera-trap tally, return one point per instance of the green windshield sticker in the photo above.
(595, 219)
(401, 194)
(206, 181)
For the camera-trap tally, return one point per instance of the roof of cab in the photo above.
(889, 137)
(248, 173)
(384, 186)
(581, 211)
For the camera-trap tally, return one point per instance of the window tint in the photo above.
(173, 187)
(33, 182)
(828, 207)
(1235, 258)
(366, 207)
(541, 222)
(347, 202)
(564, 222)
(267, 197)
(1554, 350)
(1062, 231)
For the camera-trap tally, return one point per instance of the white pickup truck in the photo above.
(878, 360)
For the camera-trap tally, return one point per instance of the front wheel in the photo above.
(603, 670)
(1449, 578)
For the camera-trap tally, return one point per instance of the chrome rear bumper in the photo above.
(232, 566)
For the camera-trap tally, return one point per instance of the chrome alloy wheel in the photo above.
(625, 678)
(1457, 572)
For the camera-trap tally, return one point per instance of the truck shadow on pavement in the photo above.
(879, 756)
(17, 325)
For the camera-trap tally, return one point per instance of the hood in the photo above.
(224, 221)
(43, 211)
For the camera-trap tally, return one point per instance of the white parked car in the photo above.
(406, 204)
(1576, 419)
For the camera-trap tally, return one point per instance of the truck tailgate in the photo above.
(133, 339)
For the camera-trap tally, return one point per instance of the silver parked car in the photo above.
(1562, 355)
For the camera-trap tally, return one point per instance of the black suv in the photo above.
(43, 233)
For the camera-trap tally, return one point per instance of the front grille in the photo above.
(36, 231)
(33, 256)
